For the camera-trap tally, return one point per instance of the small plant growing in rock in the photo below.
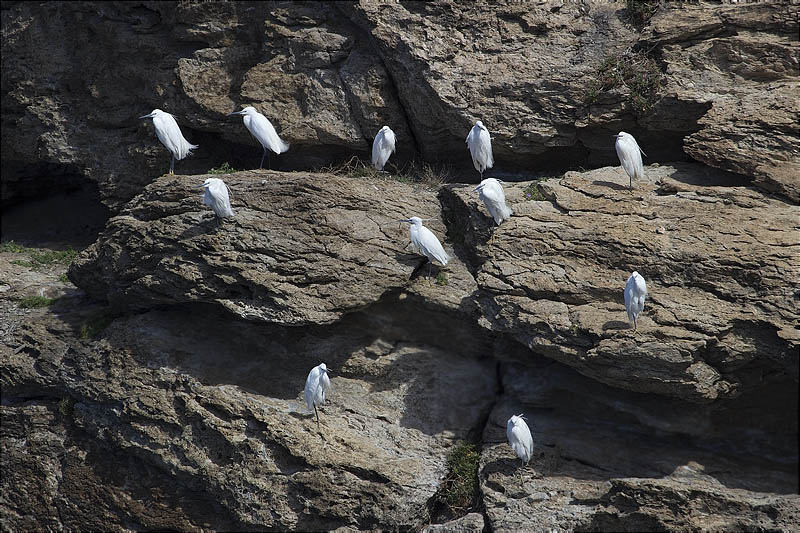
(63, 278)
(224, 168)
(66, 407)
(441, 279)
(95, 325)
(634, 73)
(533, 192)
(641, 11)
(12, 247)
(460, 487)
(32, 302)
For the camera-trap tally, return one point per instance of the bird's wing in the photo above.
(630, 157)
(168, 132)
(376, 150)
(523, 436)
(390, 139)
(381, 149)
(430, 246)
(486, 148)
(263, 130)
(222, 204)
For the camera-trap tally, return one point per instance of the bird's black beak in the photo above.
(236, 113)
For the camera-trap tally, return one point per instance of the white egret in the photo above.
(263, 130)
(630, 155)
(490, 191)
(426, 242)
(217, 196)
(382, 147)
(480, 147)
(317, 384)
(170, 135)
(519, 437)
(635, 294)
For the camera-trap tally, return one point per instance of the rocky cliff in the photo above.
(159, 384)
(552, 81)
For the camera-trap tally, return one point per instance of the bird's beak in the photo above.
(236, 113)
(200, 186)
(147, 116)
(617, 136)
(405, 220)
(479, 187)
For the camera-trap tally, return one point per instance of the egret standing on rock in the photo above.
(635, 294)
(382, 147)
(216, 196)
(630, 155)
(170, 135)
(426, 242)
(263, 130)
(480, 147)
(519, 437)
(317, 384)
(490, 191)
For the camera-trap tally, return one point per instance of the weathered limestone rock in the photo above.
(721, 264)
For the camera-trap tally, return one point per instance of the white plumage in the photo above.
(216, 195)
(317, 384)
(630, 155)
(480, 147)
(490, 191)
(635, 294)
(519, 437)
(382, 147)
(426, 242)
(263, 130)
(170, 135)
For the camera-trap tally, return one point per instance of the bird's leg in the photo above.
(634, 323)
(316, 413)
(631, 182)
(261, 165)
(430, 265)
(172, 165)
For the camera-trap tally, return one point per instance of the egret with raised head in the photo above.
(170, 135)
(490, 191)
(630, 155)
(635, 294)
(480, 147)
(426, 242)
(317, 385)
(382, 147)
(216, 195)
(263, 130)
(519, 437)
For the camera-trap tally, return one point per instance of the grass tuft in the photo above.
(95, 325)
(63, 278)
(441, 279)
(641, 11)
(224, 168)
(533, 192)
(637, 75)
(33, 302)
(460, 488)
(415, 172)
(12, 247)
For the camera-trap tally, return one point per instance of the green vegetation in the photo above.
(441, 279)
(416, 172)
(459, 490)
(533, 192)
(641, 11)
(66, 407)
(32, 302)
(95, 325)
(14, 248)
(224, 168)
(633, 73)
(63, 278)
(39, 258)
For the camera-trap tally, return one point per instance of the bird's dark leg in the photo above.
(634, 323)
(430, 265)
(261, 165)
(316, 413)
(172, 165)
(631, 181)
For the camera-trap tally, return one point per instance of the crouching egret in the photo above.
(382, 147)
(490, 191)
(635, 294)
(170, 135)
(519, 437)
(216, 196)
(317, 384)
(480, 147)
(426, 242)
(630, 155)
(263, 130)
